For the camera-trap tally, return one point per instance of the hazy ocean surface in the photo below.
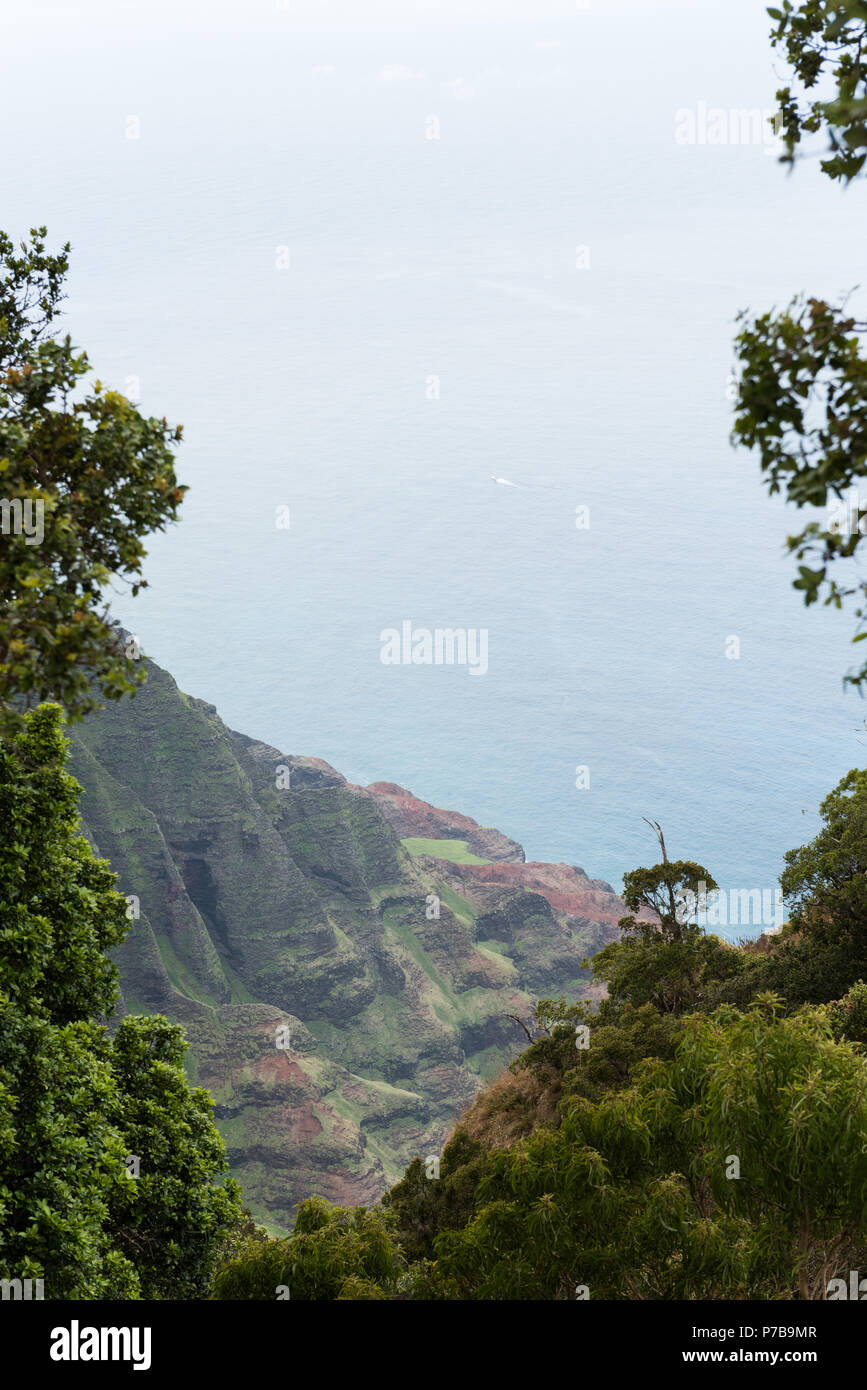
(365, 325)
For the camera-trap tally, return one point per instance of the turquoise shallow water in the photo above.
(311, 387)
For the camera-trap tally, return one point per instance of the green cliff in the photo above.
(268, 894)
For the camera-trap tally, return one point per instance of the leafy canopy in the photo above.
(75, 1103)
(802, 393)
(636, 1196)
(825, 42)
(83, 477)
(333, 1253)
(109, 1162)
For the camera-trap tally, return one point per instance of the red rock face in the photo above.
(278, 1067)
(301, 1123)
(410, 817)
(566, 888)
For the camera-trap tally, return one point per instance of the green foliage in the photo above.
(633, 1197)
(619, 1041)
(824, 41)
(619, 1036)
(802, 395)
(792, 969)
(258, 1270)
(423, 1207)
(848, 1016)
(696, 1151)
(61, 1158)
(60, 909)
(352, 1289)
(333, 1253)
(174, 1227)
(101, 475)
(83, 477)
(76, 1104)
(802, 402)
(673, 976)
(668, 962)
(666, 890)
(557, 1021)
(823, 952)
(31, 291)
(825, 882)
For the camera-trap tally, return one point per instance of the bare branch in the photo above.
(657, 830)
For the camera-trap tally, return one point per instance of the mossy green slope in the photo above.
(269, 892)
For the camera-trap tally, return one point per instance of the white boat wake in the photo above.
(527, 487)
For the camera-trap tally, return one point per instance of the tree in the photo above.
(83, 477)
(669, 891)
(620, 1040)
(174, 1229)
(825, 41)
(662, 959)
(60, 908)
(735, 1170)
(592, 1049)
(825, 882)
(802, 393)
(802, 402)
(61, 1158)
(424, 1207)
(822, 952)
(109, 1162)
(334, 1253)
(848, 1015)
(31, 292)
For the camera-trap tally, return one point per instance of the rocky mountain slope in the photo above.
(344, 998)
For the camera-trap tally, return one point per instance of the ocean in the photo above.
(374, 272)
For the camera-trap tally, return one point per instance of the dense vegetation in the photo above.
(666, 1145)
(110, 1164)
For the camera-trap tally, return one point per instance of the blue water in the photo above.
(603, 387)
